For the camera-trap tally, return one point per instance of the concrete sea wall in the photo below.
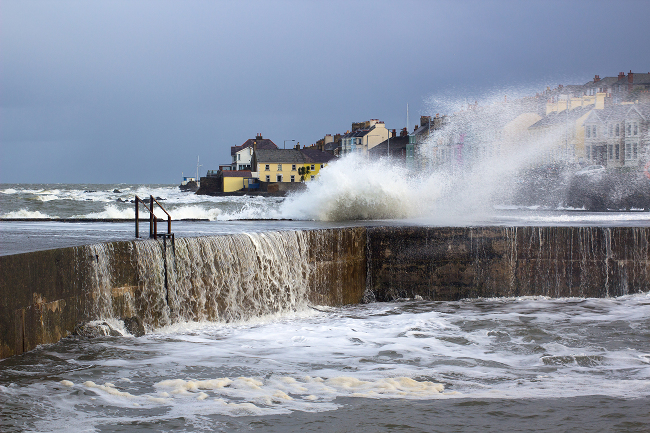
(45, 294)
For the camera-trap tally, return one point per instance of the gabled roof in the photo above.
(596, 116)
(359, 132)
(262, 143)
(643, 110)
(617, 113)
(293, 156)
(317, 156)
(396, 144)
(279, 156)
(556, 118)
(237, 173)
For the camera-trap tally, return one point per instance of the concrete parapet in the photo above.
(448, 263)
(45, 294)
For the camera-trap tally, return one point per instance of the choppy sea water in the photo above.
(517, 364)
(474, 365)
(59, 203)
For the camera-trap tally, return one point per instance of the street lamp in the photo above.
(285, 143)
(368, 140)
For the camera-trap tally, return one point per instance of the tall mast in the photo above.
(407, 117)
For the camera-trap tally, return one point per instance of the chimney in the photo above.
(621, 75)
(630, 77)
(596, 79)
(404, 133)
(259, 136)
(297, 146)
(394, 133)
(415, 128)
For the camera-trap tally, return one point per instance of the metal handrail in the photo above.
(153, 220)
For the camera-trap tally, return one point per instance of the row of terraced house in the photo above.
(604, 121)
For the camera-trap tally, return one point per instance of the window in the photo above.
(267, 167)
(268, 178)
(322, 166)
(279, 178)
(312, 177)
(593, 131)
(636, 129)
(629, 129)
(618, 129)
(313, 167)
(238, 157)
(588, 152)
(634, 151)
(293, 178)
(293, 168)
(279, 167)
(611, 151)
(611, 132)
(588, 131)
(618, 152)
(628, 151)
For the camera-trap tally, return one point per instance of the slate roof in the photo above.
(262, 143)
(396, 146)
(293, 156)
(237, 173)
(280, 156)
(556, 118)
(317, 156)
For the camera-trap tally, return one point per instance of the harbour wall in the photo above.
(45, 294)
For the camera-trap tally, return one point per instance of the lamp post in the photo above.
(285, 143)
(368, 141)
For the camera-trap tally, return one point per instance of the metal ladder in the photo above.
(153, 220)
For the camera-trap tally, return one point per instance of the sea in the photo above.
(412, 365)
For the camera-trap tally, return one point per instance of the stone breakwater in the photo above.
(44, 295)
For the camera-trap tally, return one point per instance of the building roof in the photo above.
(262, 143)
(361, 132)
(293, 156)
(396, 145)
(279, 156)
(317, 156)
(236, 173)
(556, 118)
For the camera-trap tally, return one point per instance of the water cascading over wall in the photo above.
(45, 294)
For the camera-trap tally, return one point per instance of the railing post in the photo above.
(152, 218)
(137, 217)
(155, 220)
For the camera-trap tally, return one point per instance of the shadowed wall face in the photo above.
(454, 263)
(45, 294)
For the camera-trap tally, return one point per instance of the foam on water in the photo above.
(26, 214)
(513, 348)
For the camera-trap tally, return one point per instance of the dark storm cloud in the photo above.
(110, 91)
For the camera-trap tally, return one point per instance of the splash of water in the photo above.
(463, 187)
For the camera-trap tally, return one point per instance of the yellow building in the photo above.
(235, 180)
(287, 165)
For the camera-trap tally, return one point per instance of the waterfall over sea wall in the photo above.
(224, 278)
(45, 294)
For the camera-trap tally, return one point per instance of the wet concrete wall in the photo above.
(454, 263)
(45, 294)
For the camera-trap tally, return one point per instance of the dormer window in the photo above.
(593, 131)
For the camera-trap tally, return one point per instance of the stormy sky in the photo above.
(133, 91)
